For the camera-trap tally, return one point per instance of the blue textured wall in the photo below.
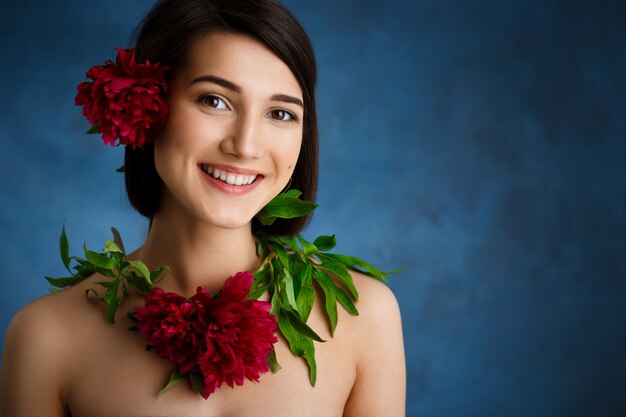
(481, 145)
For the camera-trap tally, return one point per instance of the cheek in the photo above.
(290, 152)
(289, 159)
(181, 128)
(164, 161)
(182, 138)
(172, 148)
(167, 146)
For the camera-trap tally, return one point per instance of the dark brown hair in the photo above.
(165, 36)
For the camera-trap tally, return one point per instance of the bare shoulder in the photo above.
(379, 312)
(380, 386)
(45, 325)
(40, 321)
(48, 317)
(376, 300)
(38, 352)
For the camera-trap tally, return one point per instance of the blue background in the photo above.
(478, 144)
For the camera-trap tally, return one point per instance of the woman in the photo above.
(241, 128)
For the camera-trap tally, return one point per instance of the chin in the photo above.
(232, 224)
(229, 220)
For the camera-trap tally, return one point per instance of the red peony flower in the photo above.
(167, 323)
(225, 338)
(239, 335)
(125, 99)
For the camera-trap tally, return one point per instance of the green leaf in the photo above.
(293, 244)
(175, 378)
(118, 239)
(197, 383)
(279, 240)
(132, 316)
(285, 206)
(305, 295)
(141, 284)
(261, 283)
(301, 326)
(124, 284)
(305, 301)
(282, 255)
(359, 265)
(99, 260)
(341, 272)
(262, 275)
(112, 247)
(108, 284)
(329, 294)
(142, 269)
(112, 307)
(93, 129)
(292, 335)
(298, 271)
(275, 300)
(325, 243)
(299, 344)
(309, 355)
(106, 272)
(157, 274)
(272, 362)
(111, 298)
(257, 292)
(65, 282)
(84, 268)
(346, 302)
(291, 193)
(121, 169)
(333, 294)
(64, 249)
(291, 298)
(309, 248)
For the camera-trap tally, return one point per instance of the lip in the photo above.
(233, 169)
(231, 189)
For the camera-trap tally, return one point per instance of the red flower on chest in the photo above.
(225, 338)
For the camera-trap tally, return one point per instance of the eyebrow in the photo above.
(234, 87)
(287, 99)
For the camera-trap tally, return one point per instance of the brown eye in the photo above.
(282, 115)
(214, 102)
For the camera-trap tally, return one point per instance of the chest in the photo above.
(114, 375)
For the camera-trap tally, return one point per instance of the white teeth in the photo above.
(228, 177)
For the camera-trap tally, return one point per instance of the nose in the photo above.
(244, 138)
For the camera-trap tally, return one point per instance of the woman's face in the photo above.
(233, 133)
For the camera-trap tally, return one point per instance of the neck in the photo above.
(196, 253)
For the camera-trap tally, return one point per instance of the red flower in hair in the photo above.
(125, 100)
(224, 338)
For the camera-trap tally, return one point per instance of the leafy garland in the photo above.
(291, 268)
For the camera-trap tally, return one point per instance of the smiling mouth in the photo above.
(226, 177)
